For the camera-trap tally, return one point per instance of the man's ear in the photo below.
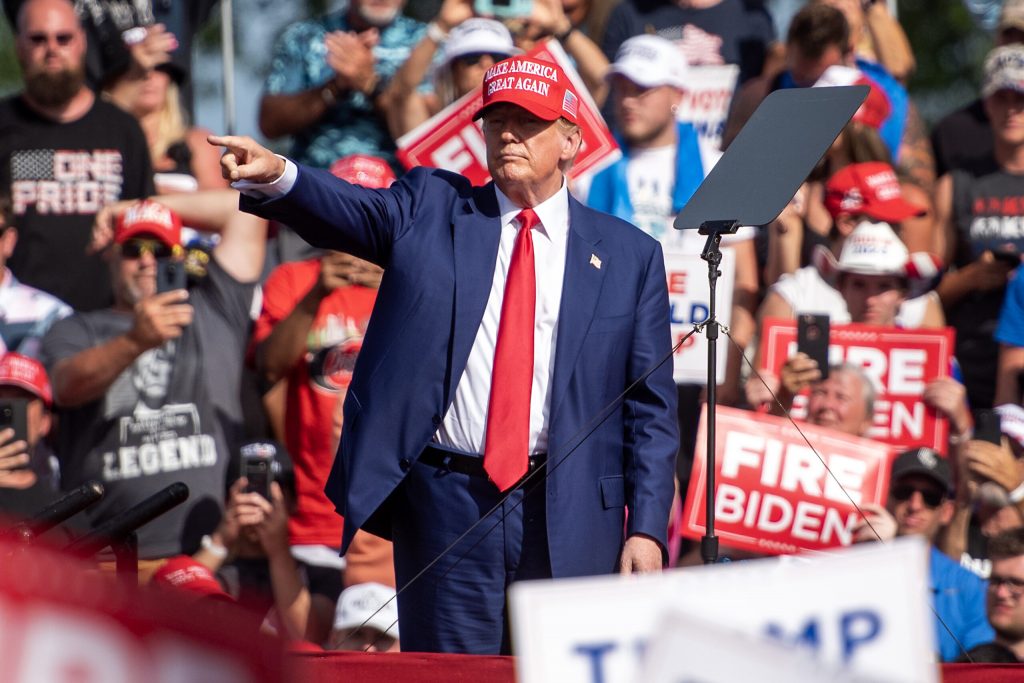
(571, 144)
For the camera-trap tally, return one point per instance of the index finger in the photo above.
(239, 142)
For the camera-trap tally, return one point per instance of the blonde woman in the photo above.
(182, 161)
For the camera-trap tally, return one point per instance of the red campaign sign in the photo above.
(899, 362)
(773, 494)
(452, 140)
(61, 621)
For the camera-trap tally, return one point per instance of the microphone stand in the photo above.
(713, 255)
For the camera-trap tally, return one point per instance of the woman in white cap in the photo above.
(469, 46)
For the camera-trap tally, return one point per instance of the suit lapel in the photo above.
(581, 289)
(476, 231)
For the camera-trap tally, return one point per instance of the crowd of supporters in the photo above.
(152, 333)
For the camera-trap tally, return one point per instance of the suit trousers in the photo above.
(458, 605)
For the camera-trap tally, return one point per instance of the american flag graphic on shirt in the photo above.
(65, 181)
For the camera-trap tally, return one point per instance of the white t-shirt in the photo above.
(650, 176)
(807, 292)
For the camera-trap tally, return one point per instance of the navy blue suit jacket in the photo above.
(437, 237)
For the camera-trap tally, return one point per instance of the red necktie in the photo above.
(508, 415)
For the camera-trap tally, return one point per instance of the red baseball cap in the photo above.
(365, 170)
(25, 373)
(870, 188)
(875, 108)
(539, 87)
(149, 218)
(184, 573)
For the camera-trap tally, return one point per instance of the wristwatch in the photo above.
(1016, 496)
(211, 546)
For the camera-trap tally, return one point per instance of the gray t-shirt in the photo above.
(173, 415)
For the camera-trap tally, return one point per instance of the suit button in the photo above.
(405, 464)
(436, 420)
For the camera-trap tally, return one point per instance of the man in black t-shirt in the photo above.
(65, 154)
(707, 32)
(964, 137)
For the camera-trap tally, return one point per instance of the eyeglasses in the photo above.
(1014, 586)
(474, 58)
(904, 492)
(40, 39)
(135, 248)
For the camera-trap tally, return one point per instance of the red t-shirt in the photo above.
(316, 387)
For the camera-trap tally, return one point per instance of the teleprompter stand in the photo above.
(751, 184)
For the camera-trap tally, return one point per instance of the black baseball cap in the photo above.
(925, 462)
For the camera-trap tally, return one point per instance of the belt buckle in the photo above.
(446, 464)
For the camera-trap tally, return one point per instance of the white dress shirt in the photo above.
(464, 427)
(465, 424)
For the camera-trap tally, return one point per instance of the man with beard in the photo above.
(65, 154)
(327, 79)
(147, 391)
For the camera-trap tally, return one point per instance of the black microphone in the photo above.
(128, 521)
(65, 507)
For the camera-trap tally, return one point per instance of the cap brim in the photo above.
(149, 229)
(922, 471)
(892, 210)
(538, 110)
(645, 78)
(27, 386)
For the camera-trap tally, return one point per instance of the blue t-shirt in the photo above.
(959, 601)
(351, 126)
(1011, 319)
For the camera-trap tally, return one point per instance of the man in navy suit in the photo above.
(509, 318)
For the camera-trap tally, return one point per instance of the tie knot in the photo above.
(528, 219)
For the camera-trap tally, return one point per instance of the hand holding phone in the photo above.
(812, 336)
(14, 416)
(258, 467)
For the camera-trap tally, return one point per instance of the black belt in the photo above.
(472, 465)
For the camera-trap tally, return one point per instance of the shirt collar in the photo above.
(553, 212)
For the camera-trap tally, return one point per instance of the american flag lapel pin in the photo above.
(594, 261)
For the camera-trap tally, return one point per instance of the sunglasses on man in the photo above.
(40, 39)
(932, 497)
(136, 247)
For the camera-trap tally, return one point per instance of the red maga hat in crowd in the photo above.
(184, 573)
(876, 107)
(149, 218)
(364, 170)
(539, 87)
(870, 188)
(25, 373)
